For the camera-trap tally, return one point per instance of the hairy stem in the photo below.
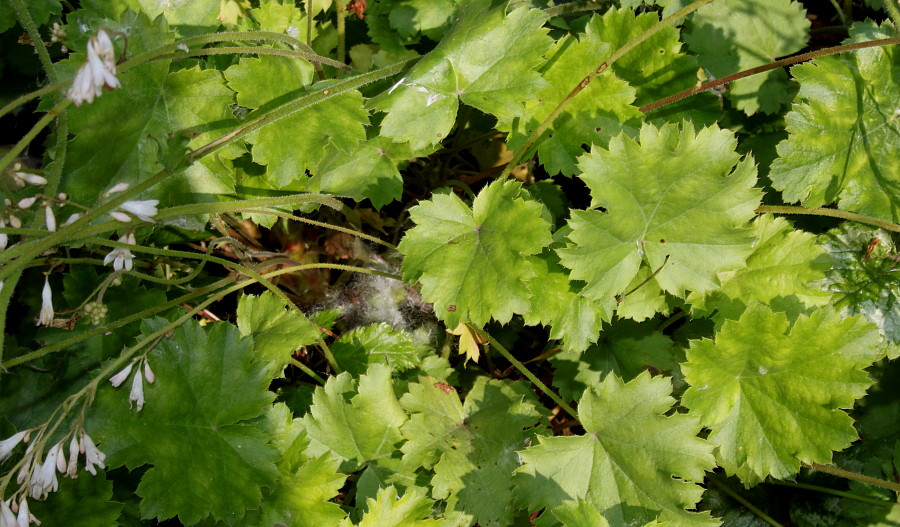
(833, 213)
(825, 490)
(619, 53)
(862, 478)
(764, 68)
(743, 501)
(525, 371)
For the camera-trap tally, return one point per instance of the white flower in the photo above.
(74, 450)
(27, 177)
(92, 456)
(137, 391)
(97, 73)
(7, 445)
(145, 210)
(24, 517)
(45, 480)
(50, 218)
(25, 203)
(148, 373)
(119, 257)
(46, 316)
(7, 518)
(117, 379)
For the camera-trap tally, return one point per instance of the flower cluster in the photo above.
(137, 384)
(98, 73)
(39, 476)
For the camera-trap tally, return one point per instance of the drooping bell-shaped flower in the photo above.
(98, 73)
(46, 316)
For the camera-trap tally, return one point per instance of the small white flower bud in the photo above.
(49, 218)
(120, 216)
(72, 219)
(15, 222)
(32, 179)
(25, 203)
(74, 450)
(148, 373)
(117, 379)
(118, 187)
(137, 391)
(46, 315)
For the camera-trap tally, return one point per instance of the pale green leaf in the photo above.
(775, 395)
(784, 262)
(572, 318)
(844, 142)
(276, 329)
(207, 389)
(471, 64)
(388, 510)
(367, 172)
(357, 420)
(472, 263)
(579, 514)
(676, 203)
(470, 447)
(625, 348)
(597, 113)
(634, 464)
(735, 35)
(292, 145)
(377, 344)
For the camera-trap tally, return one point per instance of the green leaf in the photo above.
(207, 388)
(377, 344)
(368, 172)
(579, 514)
(634, 464)
(358, 421)
(302, 499)
(572, 318)
(626, 349)
(784, 262)
(40, 11)
(276, 329)
(844, 144)
(387, 510)
(675, 203)
(194, 17)
(472, 263)
(122, 137)
(292, 145)
(411, 17)
(863, 281)
(774, 395)
(735, 35)
(83, 502)
(599, 112)
(471, 64)
(470, 447)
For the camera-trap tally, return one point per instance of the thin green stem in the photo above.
(15, 103)
(296, 105)
(256, 50)
(743, 501)
(825, 490)
(840, 11)
(619, 53)
(199, 256)
(862, 478)
(231, 206)
(307, 370)
(319, 224)
(63, 344)
(328, 355)
(832, 213)
(764, 68)
(524, 371)
(575, 7)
